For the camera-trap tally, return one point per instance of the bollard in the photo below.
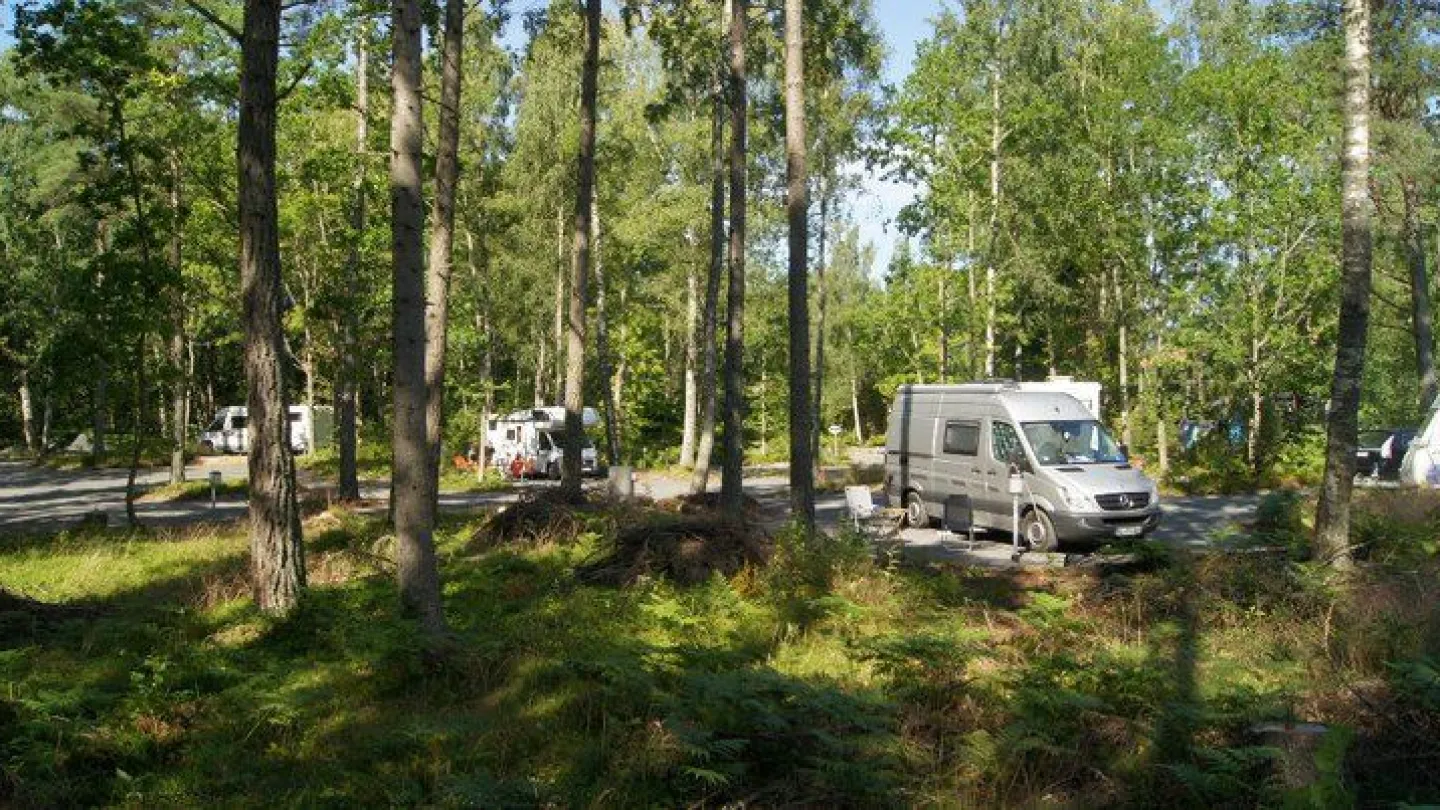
(622, 482)
(214, 485)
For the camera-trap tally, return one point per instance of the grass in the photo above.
(195, 491)
(818, 678)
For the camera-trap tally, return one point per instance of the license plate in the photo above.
(1129, 531)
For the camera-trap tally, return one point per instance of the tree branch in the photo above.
(230, 30)
(299, 77)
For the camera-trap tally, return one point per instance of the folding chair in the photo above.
(860, 504)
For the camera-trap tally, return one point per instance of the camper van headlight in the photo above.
(1078, 501)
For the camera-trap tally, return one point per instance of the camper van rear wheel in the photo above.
(915, 513)
(1038, 531)
(553, 471)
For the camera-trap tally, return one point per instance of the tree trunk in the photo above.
(180, 382)
(732, 493)
(705, 442)
(802, 463)
(559, 335)
(602, 345)
(1123, 358)
(817, 392)
(995, 140)
(137, 433)
(487, 357)
(276, 554)
(539, 398)
(413, 506)
(1332, 520)
(855, 408)
(100, 410)
(692, 361)
(944, 369)
(27, 413)
(570, 468)
(47, 415)
(1421, 318)
(346, 380)
(442, 235)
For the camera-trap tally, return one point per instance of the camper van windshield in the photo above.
(1072, 442)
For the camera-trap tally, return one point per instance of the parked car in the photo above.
(962, 442)
(1379, 451)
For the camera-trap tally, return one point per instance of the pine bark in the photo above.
(413, 506)
(27, 413)
(570, 468)
(802, 463)
(732, 493)
(180, 381)
(347, 377)
(705, 440)
(692, 361)
(1421, 318)
(1332, 520)
(995, 141)
(602, 343)
(276, 555)
(442, 234)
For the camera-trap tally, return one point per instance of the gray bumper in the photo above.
(1103, 526)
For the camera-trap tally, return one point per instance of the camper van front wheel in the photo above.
(1038, 531)
(915, 513)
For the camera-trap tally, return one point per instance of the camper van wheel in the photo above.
(915, 513)
(1038, 531)
(553, 471)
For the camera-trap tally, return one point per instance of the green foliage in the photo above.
(144, 675)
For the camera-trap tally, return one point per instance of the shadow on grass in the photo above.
(556, 694)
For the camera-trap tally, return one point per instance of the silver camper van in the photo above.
(964, 440)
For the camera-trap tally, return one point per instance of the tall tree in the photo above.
(732, 493)
(580, 262)
(1332, 519)
(412, 502)
(802, 469)
(277, 556)
(705, 440)
(442, 234)
(346, 377)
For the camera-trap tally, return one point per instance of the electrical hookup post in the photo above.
(214, 485)
(1017, 487)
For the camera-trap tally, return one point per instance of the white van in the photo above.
(310, 428)
(963, 440)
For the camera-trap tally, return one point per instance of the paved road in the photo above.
(33, 498)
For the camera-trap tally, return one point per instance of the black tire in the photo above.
(553, 471)
(915, 514)
(1038, 532)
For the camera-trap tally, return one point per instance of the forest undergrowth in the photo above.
(135, 671)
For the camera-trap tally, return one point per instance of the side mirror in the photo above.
(1125, 451)
(1019, 462)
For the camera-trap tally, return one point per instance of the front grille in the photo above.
(1120, 501)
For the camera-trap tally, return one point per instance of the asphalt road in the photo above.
(38, 499)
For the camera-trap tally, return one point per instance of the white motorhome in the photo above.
(1087, 392)
(530, 442)
(1420, 466)
(946, 441)
(310, 429)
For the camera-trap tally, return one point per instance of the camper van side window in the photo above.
(962, 438)
(1004, 441)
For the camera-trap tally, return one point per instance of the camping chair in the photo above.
(860, 504)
